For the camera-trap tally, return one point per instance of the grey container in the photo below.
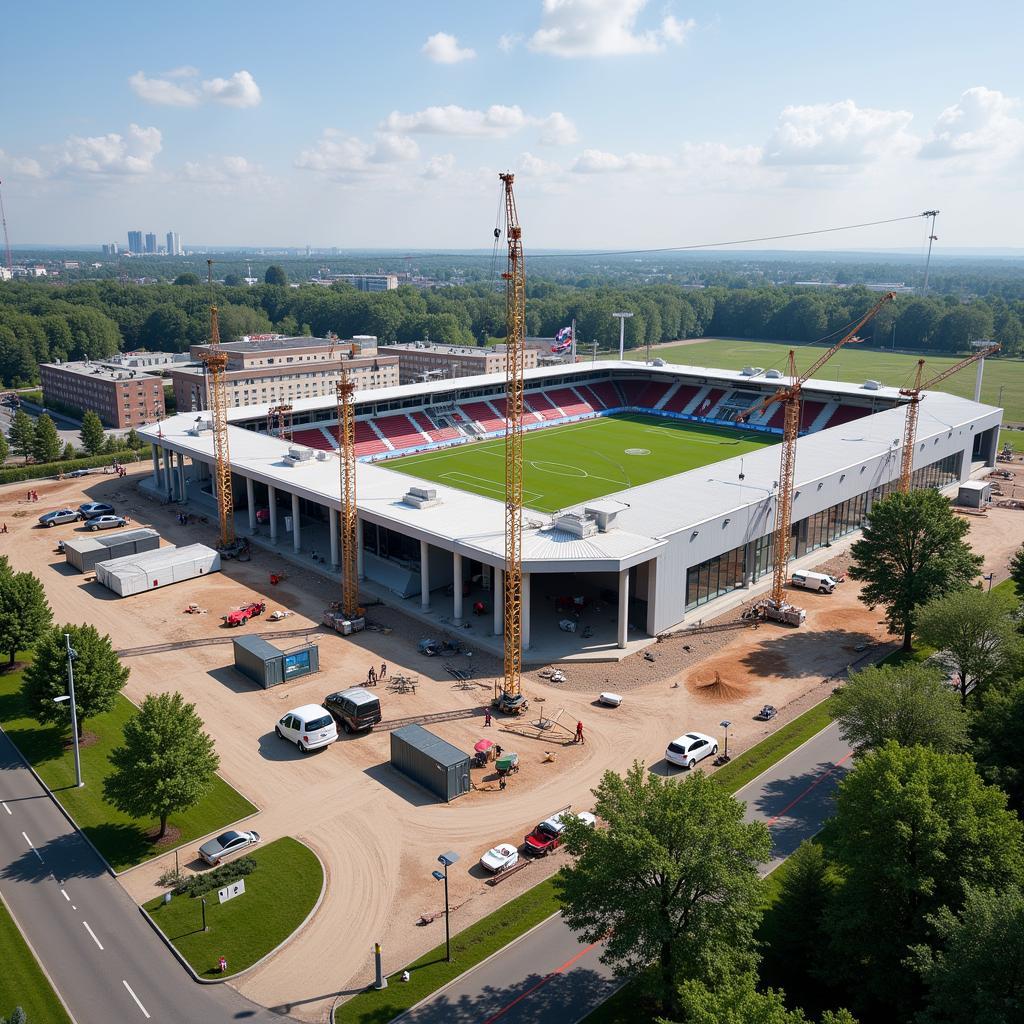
(82, 553)
(431, 761)
(265, 664)
(135, 574)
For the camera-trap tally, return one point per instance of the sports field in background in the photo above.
(856, 364)
(574, 463)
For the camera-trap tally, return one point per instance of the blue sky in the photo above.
(628, 122)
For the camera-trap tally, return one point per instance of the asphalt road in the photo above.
(548, 977)
(101, 955)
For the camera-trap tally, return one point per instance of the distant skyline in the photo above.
(628, 123)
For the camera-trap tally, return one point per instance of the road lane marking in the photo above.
(93, 934)
(31, 847)
(5, 807)
(821, 778)
(65, 895)
(138, 1002)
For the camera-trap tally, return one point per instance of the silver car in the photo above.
(227, 844)
(61, 515)
(106, 522)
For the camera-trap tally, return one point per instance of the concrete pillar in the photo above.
(156, 466)
(359, 549)
(272, 501)
(168, 482)
(182, 489)
(296, 529)
(498, 575)
(623, 607)
(424, 574)
(457, 587)
(250, 500)
(525, 610)
(332, 516)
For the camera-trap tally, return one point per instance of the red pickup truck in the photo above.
(244, 614)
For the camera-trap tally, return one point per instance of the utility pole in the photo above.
(932, 237)
(622, 318)
(70, 696)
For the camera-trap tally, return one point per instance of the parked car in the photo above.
(500, 858)
(60, 515)
(106, 522)
(227, 844)
(354, 709)
(688, 749)
(767, 713)
(610, 700)
(547, 836)
(75, 473)
(242, 615)
(91, 509)
(309, 728)
(814, 581)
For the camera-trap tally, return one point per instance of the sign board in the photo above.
(229, 892)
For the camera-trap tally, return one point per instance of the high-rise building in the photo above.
(110, 249)
(150, 242)
(174, 244)
(135, 241)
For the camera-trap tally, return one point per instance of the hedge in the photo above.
(199, 885)
(39, 470)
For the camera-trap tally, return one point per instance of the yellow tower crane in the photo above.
(511, 699)
(913, 409)
(345, 391)
(775, 606)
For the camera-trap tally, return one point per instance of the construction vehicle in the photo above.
(775, 607)
(913, 408)
(240, 616)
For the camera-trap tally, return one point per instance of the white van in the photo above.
(814, 581)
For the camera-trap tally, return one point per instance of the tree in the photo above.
(68, 453)
(99, 675)
(1017, 570)
(275, 275)
(738, 1001)
(975, 633)
(975, 969)
(187, 279)
(133, 440)
(912, 550)
(23, 433)
(906, 703)
(18, 1016)
(24, 611)
(998, 739)
(5, 450)
(166, 764)
(912, 826)
(672, 878)
(233, 280)
(46, 445)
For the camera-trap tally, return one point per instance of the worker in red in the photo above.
(579, 733)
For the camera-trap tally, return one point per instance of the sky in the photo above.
(628, 123)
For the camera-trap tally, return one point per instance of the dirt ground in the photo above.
(377, 834)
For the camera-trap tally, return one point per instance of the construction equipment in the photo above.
(913, 408)
(7, 241)
(774, 606)
(281, 415)
(511, 700)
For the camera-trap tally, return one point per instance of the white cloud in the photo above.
(981, 123)
(344, 156)
(443, 48)
(439, 166)
(113, 153)
(839, 134)
(227, 170)
(602, 28)
(174, 89)
(534, 167)
(596, 161)
(557, 130)
(496, 121)
(390, 148)
(507, 43)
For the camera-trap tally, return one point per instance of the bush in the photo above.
(199, 885)
(44, 469)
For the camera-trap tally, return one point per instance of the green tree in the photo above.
(974, 971)
(975, 633)
(46, 446)
(275, 275)
(187, 279)
(69, 452)
(24, 611)
(18, 1016)
(671, 879)
(912, 826)
(738, 1001)
(23, 433)
(133, 440)
(912, 551)
(1017, 570)
(998, 738)
(5, 450)
(907, 703)
(99, 674)
(92, 433)
(233, 280)
(166, 764)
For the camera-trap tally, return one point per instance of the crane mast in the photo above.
(345, 391)
(7, 241)
(914, 409)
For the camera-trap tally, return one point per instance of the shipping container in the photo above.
(136, 574)
(431, 761)
(265, 664)
(82, 553)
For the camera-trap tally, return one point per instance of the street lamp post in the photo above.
(446, 859)
(725, 723)
(622, 318)
(70, 696)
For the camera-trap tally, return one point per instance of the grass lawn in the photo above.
(278, 896)
(469, 947)
(22, 983)
(124, 841)
(857, 364)
(566, 465)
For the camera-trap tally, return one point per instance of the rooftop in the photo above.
(87, 368)
(447, 350)
(278, 343)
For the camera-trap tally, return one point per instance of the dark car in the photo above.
(92, 509)
(354, 709)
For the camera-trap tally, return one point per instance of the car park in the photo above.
(106, 522)
(354, 709)
(547, 836)
(92, 509)
(59, 516)
(309, 728)
(500, 858)
(227, 844)
(691, 747)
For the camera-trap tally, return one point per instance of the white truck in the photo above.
(817, 581)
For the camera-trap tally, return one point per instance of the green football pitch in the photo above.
(574, 463)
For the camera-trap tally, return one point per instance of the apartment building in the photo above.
(120, 397)
(425, 361)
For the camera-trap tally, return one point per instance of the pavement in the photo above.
(102, 956)
(548, 976)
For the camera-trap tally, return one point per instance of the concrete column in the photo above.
(623, 607)
(272, 500)
(332, 516)
(498, 575)
(296, 529)
(359, 549)
(182, 489)
(457, 587)
(156, 466)
(424, 574)
(525, 609)
(168, 482)
(250, 500)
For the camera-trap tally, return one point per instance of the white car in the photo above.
(500, 857)
(609, 699)
(688, 749)
(227, 844)
(309, 728)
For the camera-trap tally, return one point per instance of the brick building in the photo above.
(120, 397)
(425, 361)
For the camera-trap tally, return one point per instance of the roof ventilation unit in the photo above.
(871, 385)
(579, 524)
(752, 371)
(421, 497)
(773, 374)
(604, 513)
(200, 425)
(297, 455)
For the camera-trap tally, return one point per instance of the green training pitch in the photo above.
(574, 463)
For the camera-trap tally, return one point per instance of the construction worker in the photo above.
(371, 677)
(487, 719)
(579, 733)
(383, 670)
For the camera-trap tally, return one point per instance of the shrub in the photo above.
(199, 885)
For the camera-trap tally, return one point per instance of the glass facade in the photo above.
(715, 577)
